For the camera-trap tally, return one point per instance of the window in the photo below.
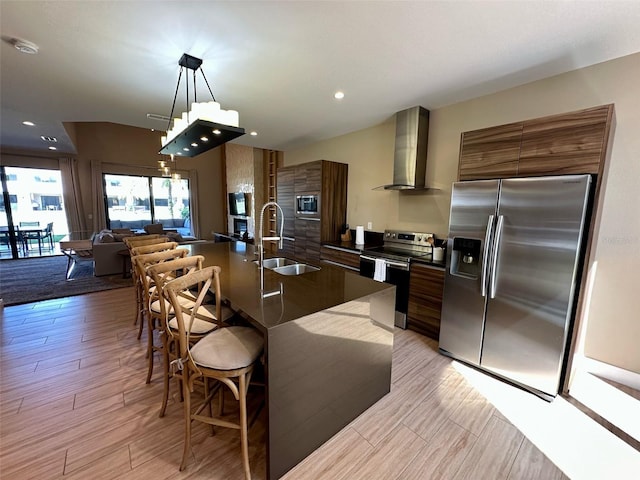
(133, 202)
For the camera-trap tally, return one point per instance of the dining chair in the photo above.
(208, 317)
(227, 355)
(29, 231)
(46, 234)
(140, 265)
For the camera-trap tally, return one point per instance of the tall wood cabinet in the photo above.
(285, 188)
(568, 143)
(326, 179)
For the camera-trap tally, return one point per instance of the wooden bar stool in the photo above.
(227, 355)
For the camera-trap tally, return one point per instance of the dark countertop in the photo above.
(351, 246)
(428, 260)
(301, 294)
(371, 240)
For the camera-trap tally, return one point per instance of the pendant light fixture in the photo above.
(204, 126)
(168, 168)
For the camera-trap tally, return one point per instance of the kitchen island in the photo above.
(328, 344)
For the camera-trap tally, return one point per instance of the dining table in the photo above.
(23, 235)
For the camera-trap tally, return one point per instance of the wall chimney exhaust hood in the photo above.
(410, 157)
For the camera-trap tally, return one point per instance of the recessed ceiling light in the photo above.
(52, 148)
(338, 95)
(217, 132)
(194, 144)
(254, 133)
(28, 123)
(204, 139)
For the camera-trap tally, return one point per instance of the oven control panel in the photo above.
(409, 238)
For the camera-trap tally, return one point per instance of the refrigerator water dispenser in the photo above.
(465, 257)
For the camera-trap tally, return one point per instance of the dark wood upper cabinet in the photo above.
(308, 177)
(569, 143)
(565, 144)
(490, 152)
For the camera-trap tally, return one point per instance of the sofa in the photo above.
(180, 225)
(107, 244)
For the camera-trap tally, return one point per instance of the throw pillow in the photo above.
(153, 228)
(105, 238)
(175, 237)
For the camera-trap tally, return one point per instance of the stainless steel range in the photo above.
(391, 262)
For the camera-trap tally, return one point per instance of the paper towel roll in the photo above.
(359, 235)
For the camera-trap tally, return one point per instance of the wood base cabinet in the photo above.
(340, 258)
(426, 285)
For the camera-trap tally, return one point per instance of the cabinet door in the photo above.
(308, 177)
(565, 144)
(286, 199)
(301, 239)
(426, 285)
(490, 152)
(341, 258)
(307, 244)
(312, 250)
(288, 249)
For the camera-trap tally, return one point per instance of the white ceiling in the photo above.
(279, 62)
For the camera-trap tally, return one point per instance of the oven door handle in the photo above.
(390, 263)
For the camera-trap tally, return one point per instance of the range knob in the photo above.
(419, 239)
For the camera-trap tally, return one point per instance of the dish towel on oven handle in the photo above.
(380, 272)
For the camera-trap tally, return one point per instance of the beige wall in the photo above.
(613, 321)
(131, 150)
(124, 149)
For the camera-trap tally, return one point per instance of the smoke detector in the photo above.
(25, 46)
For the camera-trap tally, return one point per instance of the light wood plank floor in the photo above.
(74, 405)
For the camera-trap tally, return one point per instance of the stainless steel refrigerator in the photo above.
(514, 257)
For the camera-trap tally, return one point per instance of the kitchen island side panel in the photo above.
(325, 369)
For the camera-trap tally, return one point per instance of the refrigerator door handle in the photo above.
(485, 255)
(494, 260)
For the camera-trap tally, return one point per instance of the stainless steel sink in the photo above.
(275, 262)
(296, 269)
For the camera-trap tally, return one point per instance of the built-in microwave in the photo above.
(308, 204)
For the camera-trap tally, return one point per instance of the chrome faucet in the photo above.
(280, 238)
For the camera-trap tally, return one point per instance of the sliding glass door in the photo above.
(133, 202)
(32, 207)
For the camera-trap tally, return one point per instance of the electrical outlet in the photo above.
(369, 225)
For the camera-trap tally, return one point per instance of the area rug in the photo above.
(34, 279)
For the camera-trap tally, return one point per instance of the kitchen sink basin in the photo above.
(275, 262)
(296, 269)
